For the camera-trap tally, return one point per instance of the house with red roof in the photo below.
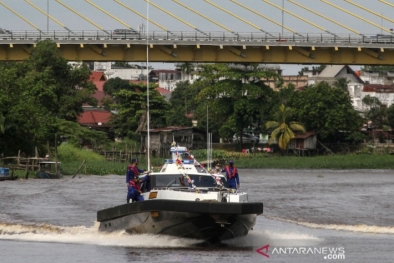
(96, 117)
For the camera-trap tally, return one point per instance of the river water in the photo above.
(309, 216)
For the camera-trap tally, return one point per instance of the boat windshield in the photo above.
(178, 180)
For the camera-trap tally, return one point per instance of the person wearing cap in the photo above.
(232, 175)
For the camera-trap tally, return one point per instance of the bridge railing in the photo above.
(196, 36)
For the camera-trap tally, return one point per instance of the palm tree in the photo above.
(187, 68)
(283, 132)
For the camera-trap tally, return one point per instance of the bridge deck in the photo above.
(207, 47)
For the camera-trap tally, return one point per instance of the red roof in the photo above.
(97, 76)
(99, 96)
(94, 117)
(378, 88)
(162, 90)
(99, 85)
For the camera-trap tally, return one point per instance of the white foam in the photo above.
(83, 235)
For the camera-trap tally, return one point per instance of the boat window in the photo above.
(175, 180)
(203, 180)
(178, 180)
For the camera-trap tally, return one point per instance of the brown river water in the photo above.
(309, 216)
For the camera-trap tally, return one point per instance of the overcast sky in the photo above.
(10, 21)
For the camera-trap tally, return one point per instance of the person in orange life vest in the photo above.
(134, 190)
(232, 175)
(132, 171)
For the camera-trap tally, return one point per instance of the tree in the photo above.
(236, 95)
(283, 131)
(376, 111)
(381, 69)
(325, 110)
(341, 83)
(132, 111)
(187, 68)
(319, 69)
(183, 102)
(122, 64)
(390, 116)
(114, 85)
(36, 93)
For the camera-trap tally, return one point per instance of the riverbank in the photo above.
(257, 161)
(351, 161)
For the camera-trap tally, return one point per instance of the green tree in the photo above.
(236, 95)
(341, 83)
(122, 64)
(187, 68)
(383, 70)
(132, 111)
(114, 85)
(36, 93)
(183, 102)
(325, 110)
(319, 69)
(283, 130)
(376, 111)
(390, 116)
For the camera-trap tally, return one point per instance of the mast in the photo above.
(147, 83)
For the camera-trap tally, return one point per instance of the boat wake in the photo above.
(88, 236)
(91, 236)
(352, 228)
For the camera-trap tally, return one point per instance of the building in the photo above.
(374, 77)
(134, 72)
(331, 73)
(96, 117)
(303, 143)
(299, 82)
(166, 78)
(162, 138)
(384, 93)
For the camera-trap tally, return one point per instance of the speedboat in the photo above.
(185, 200)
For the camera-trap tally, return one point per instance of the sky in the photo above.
(380, 18)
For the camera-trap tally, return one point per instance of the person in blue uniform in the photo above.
(232, 175)
(132, 171)
(134, 189)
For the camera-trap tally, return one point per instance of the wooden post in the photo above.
(27, 169)
(79, 168)
(56, 168)
(48, 150)
(19, 156)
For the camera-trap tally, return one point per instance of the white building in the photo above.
(135, 72)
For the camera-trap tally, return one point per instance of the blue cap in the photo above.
(230, 162)
(134, 160)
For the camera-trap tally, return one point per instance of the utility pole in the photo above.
(47, 16)
(283, 14)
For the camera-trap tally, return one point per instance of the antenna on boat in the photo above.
(209, 151)
(147, 82)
